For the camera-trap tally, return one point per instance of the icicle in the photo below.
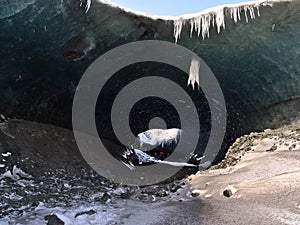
(252, 13)
(192, 28)
(220, 20)
(232, 14)
(239, 13)
(205, 26)
(258, 13)
(194, 73)
(245, 10)
(177, 29)
(86, 4)
(199, 25)
(235, 14)
(195, 25)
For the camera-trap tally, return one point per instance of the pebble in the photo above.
(195, 193)
(273, 148)
(229, 191)
(105, 198)
(53, 220)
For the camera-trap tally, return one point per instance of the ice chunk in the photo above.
(144, 158)
(156, 137)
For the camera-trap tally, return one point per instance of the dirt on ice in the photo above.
(257, 183)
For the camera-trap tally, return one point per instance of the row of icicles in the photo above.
(203, 22)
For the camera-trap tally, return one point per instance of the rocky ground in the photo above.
(41, 168)
(43, 180)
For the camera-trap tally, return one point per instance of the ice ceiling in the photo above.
(47, 45)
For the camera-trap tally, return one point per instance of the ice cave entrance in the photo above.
(172, 7)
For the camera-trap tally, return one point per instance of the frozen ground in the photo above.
(257, 183)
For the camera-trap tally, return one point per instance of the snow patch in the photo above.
(103, 214)
(13, 196)
(18, 175)
(7, 154)
(206, 164)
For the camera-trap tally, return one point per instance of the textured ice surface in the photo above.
(10, 8)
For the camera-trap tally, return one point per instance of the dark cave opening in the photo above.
(151, 107)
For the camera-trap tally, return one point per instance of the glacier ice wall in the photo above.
(47, 45)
